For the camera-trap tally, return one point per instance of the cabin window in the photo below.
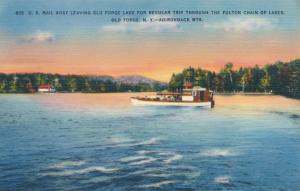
(201, 95)
(194, 93)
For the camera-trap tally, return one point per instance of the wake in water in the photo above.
(143, 158)
(173, 158)
(67, 164)
(81, 171)
(159, 175)
(133, 158)
(119, 142)
(145, 161)
(222, 179)
(157, 185)
(219, 152)
(157, 167)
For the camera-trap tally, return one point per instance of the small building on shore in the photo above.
(46, 89)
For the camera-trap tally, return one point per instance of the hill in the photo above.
(137, 79)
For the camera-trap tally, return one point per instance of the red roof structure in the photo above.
(173, 94)
(45, 86)
(168, 93)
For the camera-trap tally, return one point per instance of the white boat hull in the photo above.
(138, 102)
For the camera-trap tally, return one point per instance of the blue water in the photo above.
(101, 142)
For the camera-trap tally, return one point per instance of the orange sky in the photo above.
(95, 45)
(153, 57)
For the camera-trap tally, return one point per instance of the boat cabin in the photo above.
(189, 94)
(196, 94)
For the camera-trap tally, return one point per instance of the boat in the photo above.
(190, 96)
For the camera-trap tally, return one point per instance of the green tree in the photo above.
(72, 84)
(220, 81)
(176, 82)
(57, 84)
(189, 75)
(294, 79)
(13, 87)
(28, 87)
(87, 86)
(265, 81)
(227, 76)
(2, 86)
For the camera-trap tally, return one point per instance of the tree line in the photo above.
(29, 82)
(280, 78)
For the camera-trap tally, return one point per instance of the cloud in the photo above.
(241, 24)
(155, 26)
(39, 36)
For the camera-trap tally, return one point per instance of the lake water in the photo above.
(101, 142)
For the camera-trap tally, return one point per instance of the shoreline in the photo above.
(244, 93)
(216, 94)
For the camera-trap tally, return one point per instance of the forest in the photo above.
(279, 78)
(29, 82)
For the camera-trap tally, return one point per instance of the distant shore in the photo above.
(244, 93)
(149, 92)
(216, 93)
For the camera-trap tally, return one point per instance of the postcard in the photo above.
(119, 95)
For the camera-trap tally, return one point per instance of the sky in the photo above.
(95, 45)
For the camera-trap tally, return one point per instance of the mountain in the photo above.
(101, 77)
(137, 79)
(130, 80)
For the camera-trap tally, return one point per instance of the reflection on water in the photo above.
(101, 142)
(81, 101)
(259, 102)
